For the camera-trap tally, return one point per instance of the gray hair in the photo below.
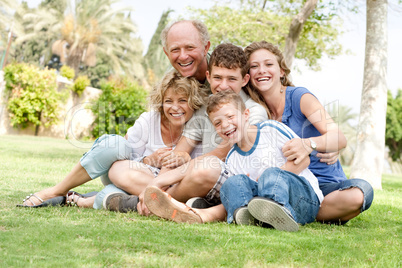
(199, 25)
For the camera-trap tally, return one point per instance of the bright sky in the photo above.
(340, 80)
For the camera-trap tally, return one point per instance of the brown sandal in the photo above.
(162, 205)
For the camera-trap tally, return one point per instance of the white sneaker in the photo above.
(198, 202)
(272, 213)
(242, 216)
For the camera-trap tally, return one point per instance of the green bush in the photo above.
(117, 108)
(32, 95)
(80, 84)
(67, 72)
(393, 131)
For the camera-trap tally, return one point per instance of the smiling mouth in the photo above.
(187, 64)
(177, 115)
(262, 79)
(230, 132)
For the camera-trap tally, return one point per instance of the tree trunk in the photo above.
(295, 30)
(369, 157)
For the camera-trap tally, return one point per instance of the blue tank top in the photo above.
(295, 119)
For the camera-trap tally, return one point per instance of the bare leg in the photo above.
(130, 176)
(77, 176)
(341, 205)
(83, 202)
(215, 213)
(198, 178)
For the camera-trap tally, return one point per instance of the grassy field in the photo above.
(76, 237)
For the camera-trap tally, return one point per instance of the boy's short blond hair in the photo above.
(216, 101)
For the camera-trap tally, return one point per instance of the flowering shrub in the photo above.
(32, 95)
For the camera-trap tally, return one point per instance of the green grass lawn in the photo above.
(76, 237)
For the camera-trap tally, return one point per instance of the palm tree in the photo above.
(6, 9)
(85, 28)
(6, 23)
(155, 61)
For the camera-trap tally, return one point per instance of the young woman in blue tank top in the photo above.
(320, 139)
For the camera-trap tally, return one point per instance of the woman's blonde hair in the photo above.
(285, 80)
(189, 86)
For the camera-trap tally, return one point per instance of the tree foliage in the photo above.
(34, 44)
(393, 131)
(100, 72)
(117, 108)
(155, 61)
(32, 95)
(6, 10)
(80, 84)
(67, 72)
(79, 32)
(247, 21)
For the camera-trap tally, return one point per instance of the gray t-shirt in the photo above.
(200, 128)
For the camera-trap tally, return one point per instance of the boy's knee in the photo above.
(236, 181)
(206, 171)
(270, 175)
(205, 176)
(271, 172)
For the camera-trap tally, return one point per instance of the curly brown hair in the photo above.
(229, 56)
(189, 86)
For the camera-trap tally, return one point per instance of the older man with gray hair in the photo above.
(186, 44)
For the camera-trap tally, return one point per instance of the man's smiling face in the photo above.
(185, 50)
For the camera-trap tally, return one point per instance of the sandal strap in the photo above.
(73, 202)
(28, 198)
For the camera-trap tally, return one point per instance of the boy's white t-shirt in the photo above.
(145, 136)
(200, 128)
(267, 152)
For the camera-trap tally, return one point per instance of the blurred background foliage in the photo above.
(97, 39)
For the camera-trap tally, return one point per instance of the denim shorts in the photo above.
(363, 185)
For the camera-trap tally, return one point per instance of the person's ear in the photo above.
(282, 73)
(207, 48)
(246, 78)
(164, 50)
(208, 76)
(246, 114)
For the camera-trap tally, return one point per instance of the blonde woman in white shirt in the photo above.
(146, 147)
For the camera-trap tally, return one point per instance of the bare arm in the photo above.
(331, 139)
(291, 166)
(220, 151)
(180, 154)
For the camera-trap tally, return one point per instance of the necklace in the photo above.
(174, 142)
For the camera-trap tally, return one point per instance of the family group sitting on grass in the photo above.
(257, 151)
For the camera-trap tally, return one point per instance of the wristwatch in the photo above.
(313, 145)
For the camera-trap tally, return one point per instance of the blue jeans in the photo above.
(288, 189)
(363, 185)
